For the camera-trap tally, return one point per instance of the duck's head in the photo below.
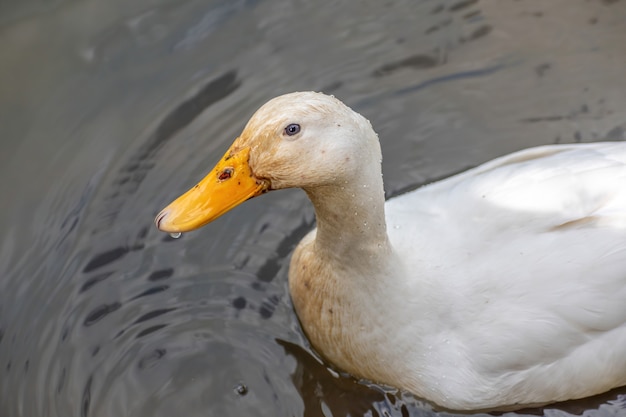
(304, 140)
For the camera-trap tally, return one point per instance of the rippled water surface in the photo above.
(110, 109)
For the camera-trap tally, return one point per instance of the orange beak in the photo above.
(229, 184)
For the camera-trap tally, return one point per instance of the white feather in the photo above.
(503, 286)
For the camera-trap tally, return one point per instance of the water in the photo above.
(112, 109)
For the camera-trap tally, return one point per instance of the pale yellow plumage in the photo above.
(502, 286)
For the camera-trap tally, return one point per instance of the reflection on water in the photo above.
(111, 109)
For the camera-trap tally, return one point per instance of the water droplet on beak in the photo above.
(176, 235)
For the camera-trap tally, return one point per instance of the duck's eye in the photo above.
(292, 129)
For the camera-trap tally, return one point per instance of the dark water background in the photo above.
(110, 109)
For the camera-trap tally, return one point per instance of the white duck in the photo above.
(504, 286)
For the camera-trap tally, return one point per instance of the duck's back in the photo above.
(523, 260)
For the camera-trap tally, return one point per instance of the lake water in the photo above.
(110, 109)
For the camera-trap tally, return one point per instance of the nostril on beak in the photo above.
(159, 219)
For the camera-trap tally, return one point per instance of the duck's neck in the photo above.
(351, 218)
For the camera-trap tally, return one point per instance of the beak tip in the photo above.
(158, 221)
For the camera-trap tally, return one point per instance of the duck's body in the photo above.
(502, 286)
